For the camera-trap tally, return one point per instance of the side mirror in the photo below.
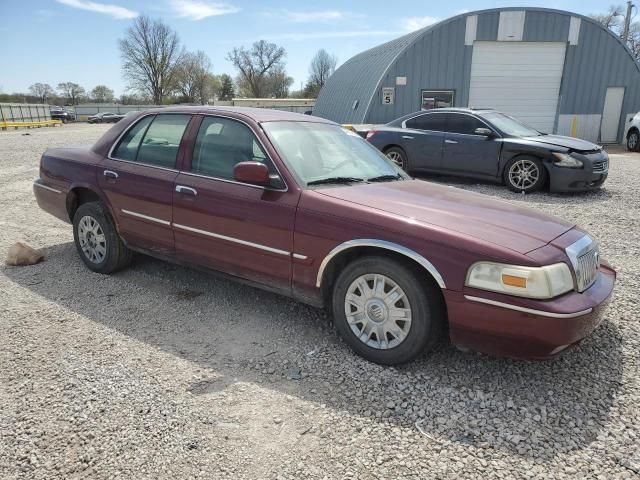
(486, 132)
(255, 173)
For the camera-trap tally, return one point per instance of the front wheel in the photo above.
(97, 241)
(525, 175)
(385, 311)
(633, 141)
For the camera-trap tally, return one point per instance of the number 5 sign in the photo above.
(388, 94)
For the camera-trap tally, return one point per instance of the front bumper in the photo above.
(563, 179)
(522, 328)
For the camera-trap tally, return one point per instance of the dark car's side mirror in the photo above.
(486, 132)
(255, 173)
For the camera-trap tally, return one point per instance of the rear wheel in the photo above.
(398, 156)
(525, 174)
(385, 311)
(633, 141)
(97, 241)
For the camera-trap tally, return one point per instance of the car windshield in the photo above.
(510, 125)
(321, 153)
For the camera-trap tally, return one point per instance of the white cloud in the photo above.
(112, 10)
(416, 23)
(318, 35)
(314, 17)
(199, 10)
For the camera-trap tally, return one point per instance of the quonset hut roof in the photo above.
(359, 78)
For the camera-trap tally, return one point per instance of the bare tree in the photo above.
(151, 54)
(193, 77)
(614, 19)
(278, 83)
(42, 91)
(254, 65)
(323, 64)
(102, 94)
(71, 91)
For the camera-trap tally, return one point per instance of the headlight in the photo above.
(567, 161)
(532, 282)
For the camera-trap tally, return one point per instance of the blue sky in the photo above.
(54, 41)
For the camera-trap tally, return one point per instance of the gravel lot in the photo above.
(164, 372)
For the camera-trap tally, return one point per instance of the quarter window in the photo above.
(221, 144)
(127, 149)
(465, 124)
(430, 121)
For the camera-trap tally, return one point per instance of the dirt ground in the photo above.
(162, 371)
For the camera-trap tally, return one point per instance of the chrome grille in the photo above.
(587, 269)
(600, 166)
(585, 261)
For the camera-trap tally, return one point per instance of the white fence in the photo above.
(24, 112)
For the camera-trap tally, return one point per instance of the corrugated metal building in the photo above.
(558, 71)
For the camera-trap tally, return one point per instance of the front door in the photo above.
(237, 228)
(466, 152)
(138, 180)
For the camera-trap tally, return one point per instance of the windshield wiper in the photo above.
(335, 180)
(385, 178)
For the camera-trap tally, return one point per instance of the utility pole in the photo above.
(627, 21)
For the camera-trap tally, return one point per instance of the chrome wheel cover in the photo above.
(632, 142)
(396, 158)
(92, 239)
(524, 174)
(378, 311)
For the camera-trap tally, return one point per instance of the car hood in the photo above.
(517, 228)
(566, 142)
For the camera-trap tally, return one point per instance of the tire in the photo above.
(398, 156)
(421, 297)
(633, 141)
(516, 169)
(93, 228)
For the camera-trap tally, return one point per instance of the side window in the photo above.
(221, 144)
(127, 149)
(162, 140)
(430, 121)
(466, 124)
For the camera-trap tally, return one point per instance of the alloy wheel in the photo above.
(92, 239)
(396, 158)
(524, 174)
(632, 141)
(378, 311)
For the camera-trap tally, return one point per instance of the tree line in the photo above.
(160, 70)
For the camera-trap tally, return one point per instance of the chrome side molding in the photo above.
(44, 187)
(145, 217)
(367, 242)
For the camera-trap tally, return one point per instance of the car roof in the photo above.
(259, 115)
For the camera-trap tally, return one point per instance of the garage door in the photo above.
(521, 79)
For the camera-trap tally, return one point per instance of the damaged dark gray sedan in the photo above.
(493, 146)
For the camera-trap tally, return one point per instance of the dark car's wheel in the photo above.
(525, 174)
(398, 156)
(385, 312)
(633, 141)
(97, 241)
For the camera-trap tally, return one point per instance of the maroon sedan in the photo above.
(301, 206)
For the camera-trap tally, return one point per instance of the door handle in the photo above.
(450, 141)
(186, 190)
(408, 137)
(110, 174)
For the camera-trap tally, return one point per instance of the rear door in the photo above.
(465, 151)
(138, 180)
(424, 139)
(241, 229)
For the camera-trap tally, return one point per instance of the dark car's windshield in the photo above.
(510, 125)
(319, 153)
